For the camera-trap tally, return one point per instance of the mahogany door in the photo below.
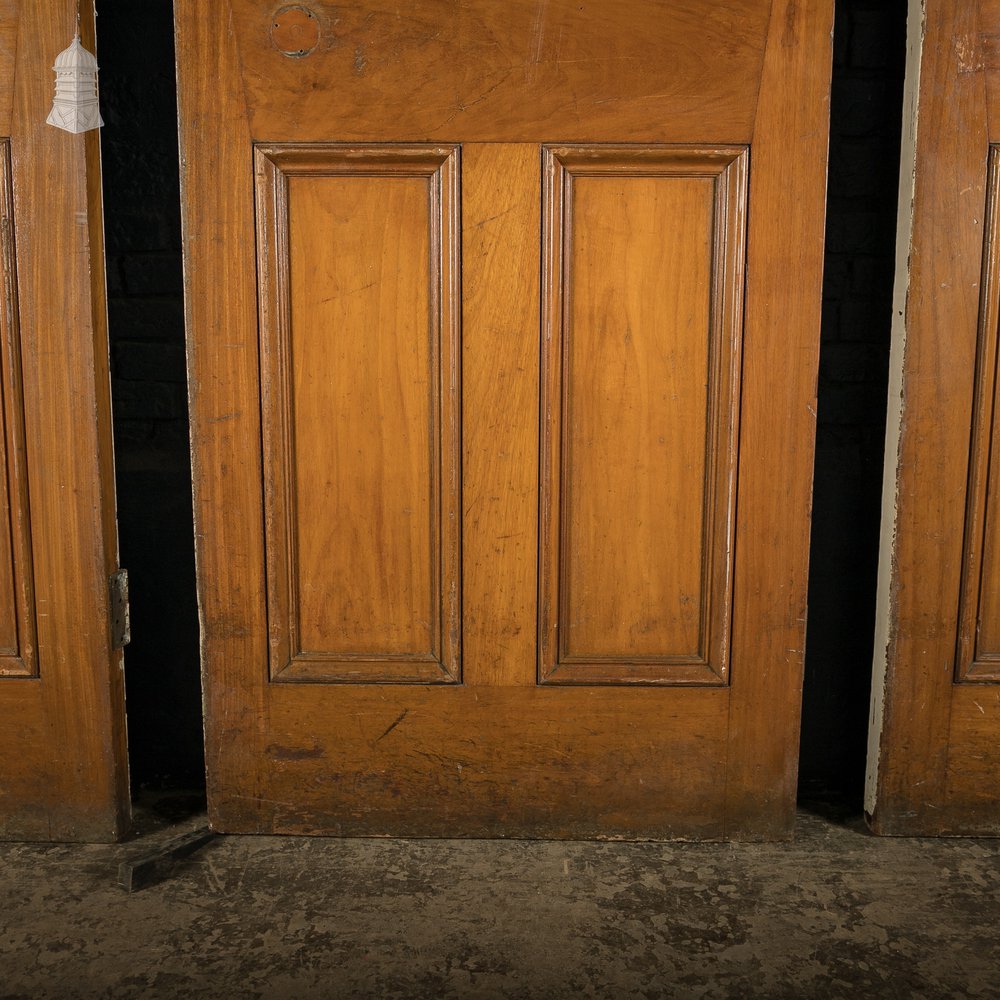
(935, 748)
(63, 768)
(503, 324)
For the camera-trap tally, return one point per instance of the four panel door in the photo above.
(935, 739)
(503, 410)
(64, 772)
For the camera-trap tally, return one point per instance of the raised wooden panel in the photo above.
(978, 657)
(643, 290)
(17, 612)
(359, 322)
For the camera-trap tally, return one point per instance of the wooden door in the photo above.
(935, 748)
(63, 768)
(503, 324)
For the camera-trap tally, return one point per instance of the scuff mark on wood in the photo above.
(279, 752)
(402, 715)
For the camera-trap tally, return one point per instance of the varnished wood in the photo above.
(978, 656)
(500, 308)
(934, 754)
(502, 72)
(499, 753)
(9, 11)
(360, 382)
(62, 733)
(642, 299)
(17, 603)
(464, 761)
(777, 418)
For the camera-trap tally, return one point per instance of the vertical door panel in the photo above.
(17, 600)
(359, 361)
(644, 286)
(979, 608)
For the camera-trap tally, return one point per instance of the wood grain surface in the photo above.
(62, 732)
(642, 350)
(505, 72)
(936, 750)
(656, 255)
(360, 381)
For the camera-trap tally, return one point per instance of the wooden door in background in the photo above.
(935, 743)
(64, 772)
(503, 409)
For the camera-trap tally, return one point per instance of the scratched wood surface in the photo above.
(503, 72)
(63, 774)
(936, 749)
(658, 268)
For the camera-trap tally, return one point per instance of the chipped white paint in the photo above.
(75, 107)
(894, 417)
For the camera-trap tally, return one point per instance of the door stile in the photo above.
(500, 350)
(786, 228)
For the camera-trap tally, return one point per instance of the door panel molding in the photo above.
(640, 411)
(978, 653)
(360, 410)
(17, 603)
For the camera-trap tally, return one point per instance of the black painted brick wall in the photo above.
(145, 312)
(865, 122)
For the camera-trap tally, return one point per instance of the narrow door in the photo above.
(503, 327)
(935, 747)
(62, 716)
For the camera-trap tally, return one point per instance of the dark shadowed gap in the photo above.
(866, 119)
(145, 306)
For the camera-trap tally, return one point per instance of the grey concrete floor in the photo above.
(836, 913)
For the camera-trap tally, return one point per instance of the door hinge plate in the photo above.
(121, 634)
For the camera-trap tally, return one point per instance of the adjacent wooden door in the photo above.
(63, 768)
(935, 747)
(503, 325)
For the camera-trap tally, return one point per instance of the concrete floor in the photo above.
(837, 913)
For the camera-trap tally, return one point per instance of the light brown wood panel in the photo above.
(643, 305)
(9, 10)
(982, 55)
(979, 606)
(499, 753)
(462, 761)
(17, 599)
(500, 308)
(62, 732)
(777, 416)
(973, 760)
(359, 369)
(932, 754)
(225, 408)
(506, 72)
